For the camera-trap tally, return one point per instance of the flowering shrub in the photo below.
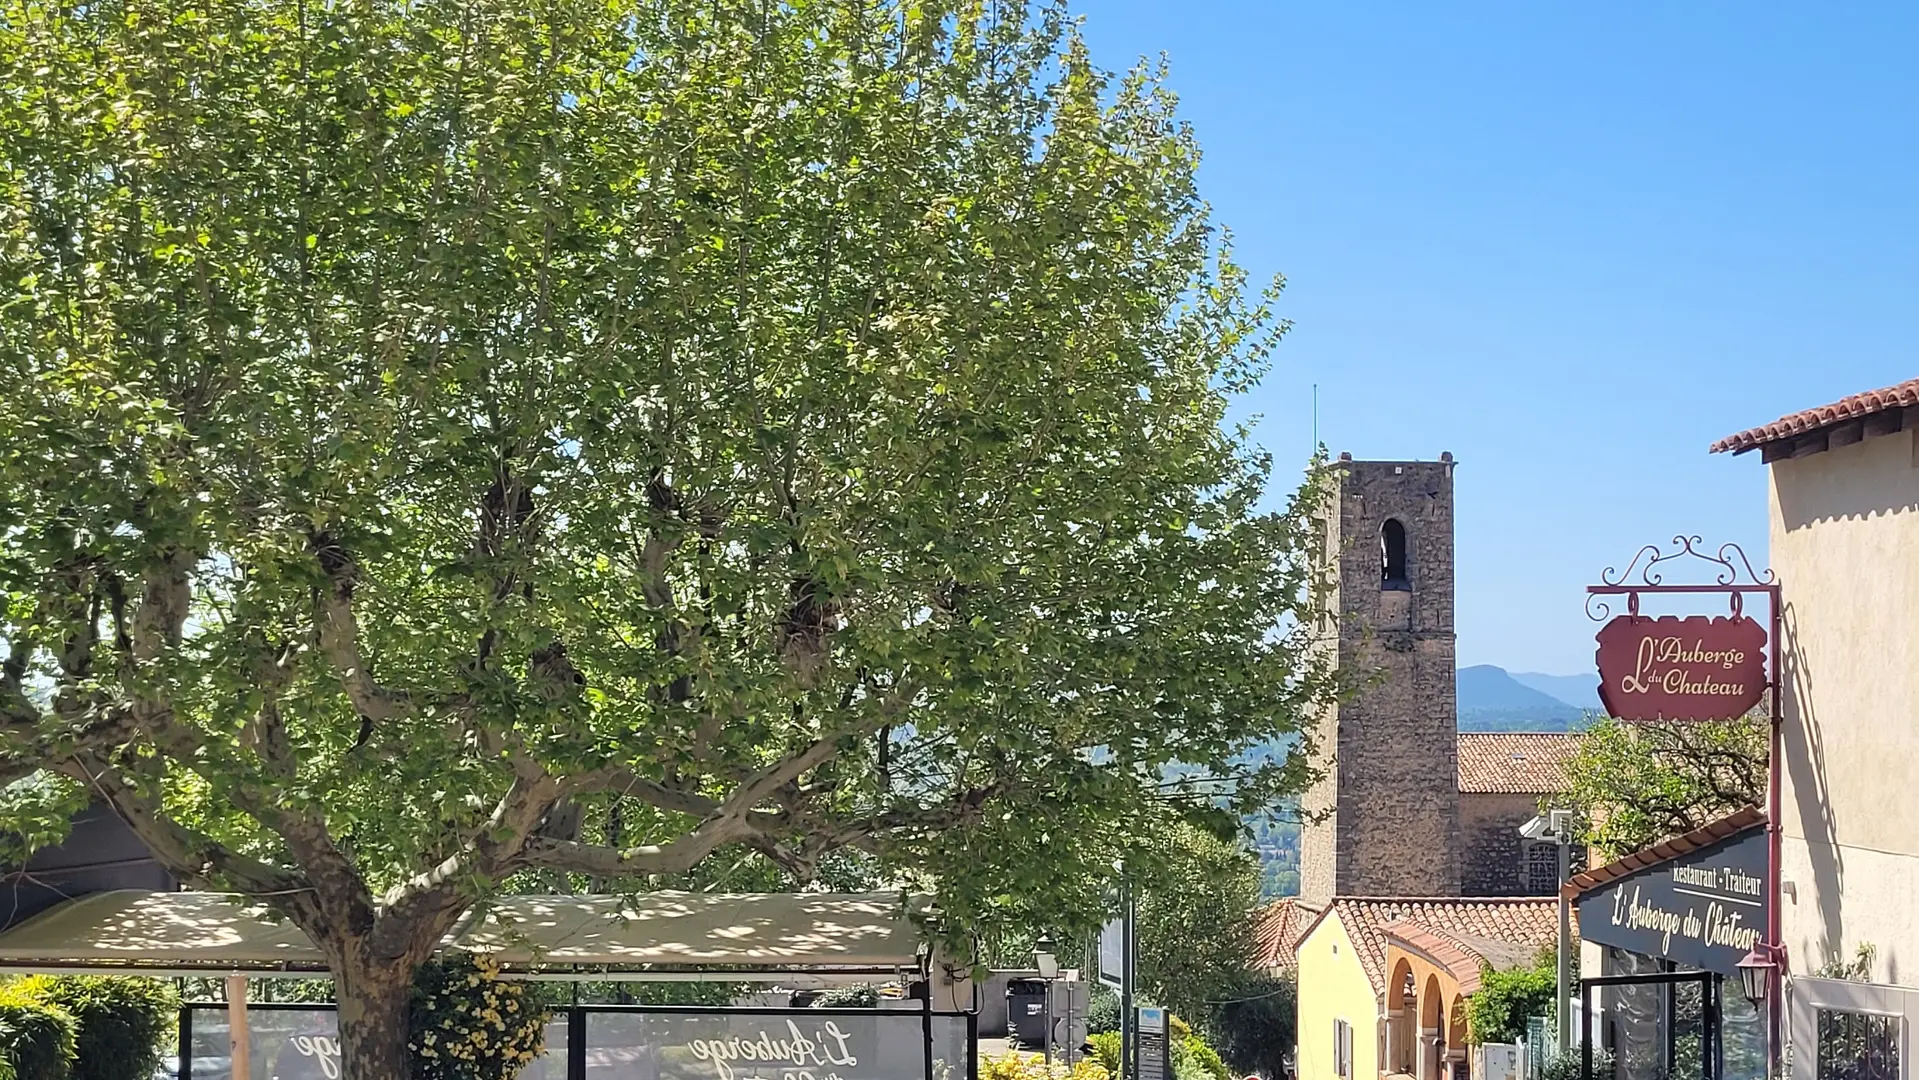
(469, 1024)
(1034, 1067)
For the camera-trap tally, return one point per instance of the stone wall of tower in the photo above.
(1389, 802)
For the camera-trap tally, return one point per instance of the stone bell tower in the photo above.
(1390, 794)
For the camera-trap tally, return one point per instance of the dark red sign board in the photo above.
(1669, 668)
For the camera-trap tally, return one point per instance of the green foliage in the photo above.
(122, 1025)
(37, 812)
(1275, 841)
(466, 1023)
(1498, 1011)
(1858, 969)
(1258, 1026)
(1106, 1049)
(1102, 1011)
(1571, 1066)
(1195, 1059)
(271, 991)
(1195, 932)
(1639, 783)
(470, 446)
(862, 996)
(37, 1037)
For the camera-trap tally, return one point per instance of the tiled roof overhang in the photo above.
(1848, 420)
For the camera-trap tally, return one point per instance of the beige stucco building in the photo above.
(1383, 981)
(1844, 501)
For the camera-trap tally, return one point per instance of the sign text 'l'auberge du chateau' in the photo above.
(717, 1045)
(1705, 909)
(1669, 668)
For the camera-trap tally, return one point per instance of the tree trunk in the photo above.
(373, 1020)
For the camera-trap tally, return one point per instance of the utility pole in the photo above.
(1556, 826)
(1562, 823)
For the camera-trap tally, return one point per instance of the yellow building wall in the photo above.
(1333, 986)
(1845, 544)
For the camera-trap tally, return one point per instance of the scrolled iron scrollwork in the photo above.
(1650, 576)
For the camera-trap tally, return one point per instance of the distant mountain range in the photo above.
(1494, 699)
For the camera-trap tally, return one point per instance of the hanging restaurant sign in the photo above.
(1705, 908)
(1669, 668)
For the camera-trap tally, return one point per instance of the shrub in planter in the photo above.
(36, 1036)
(122, 1024)
(1034, 1067)
(1193, 1057)
(469, 1024)
(1106, 1048)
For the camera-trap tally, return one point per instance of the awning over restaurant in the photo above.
(181, 931)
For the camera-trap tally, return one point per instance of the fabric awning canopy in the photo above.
(220, 932)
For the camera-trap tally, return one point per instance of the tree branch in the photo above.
(620, 780)
(190, 856)
(339, 632)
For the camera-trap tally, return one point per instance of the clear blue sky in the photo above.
(1572, 244)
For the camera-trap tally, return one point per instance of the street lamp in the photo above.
(1756, 971)
(1046, 959)
(1557, 826)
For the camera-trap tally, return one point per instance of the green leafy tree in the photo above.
(457, 447)
(1196, 931)
(1258, 1026)
(1497, 1012)
(1639, 783)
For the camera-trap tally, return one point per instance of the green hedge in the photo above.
(36, 1036)
(122, 1024)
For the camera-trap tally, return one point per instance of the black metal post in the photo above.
(186, 1043)
(926, 1026)
(576, 1040)
(1128, 1031)
(1585, 1030)
(1710, 1046)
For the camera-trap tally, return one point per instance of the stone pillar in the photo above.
(1428, 1064)
(1393, 1037)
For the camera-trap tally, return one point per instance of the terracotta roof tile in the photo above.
(1710, 833)
(1515, 763)
(1848, 408)
(1524, 921)
(1276, 931)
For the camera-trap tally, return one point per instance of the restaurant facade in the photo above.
(1663, 935)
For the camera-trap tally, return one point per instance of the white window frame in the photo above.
(1805, 997)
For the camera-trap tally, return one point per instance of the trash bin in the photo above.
(1026, 1012)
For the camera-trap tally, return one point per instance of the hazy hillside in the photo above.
(1490, 699)
(1579, 690)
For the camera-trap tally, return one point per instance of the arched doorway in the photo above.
(1432, 1029)
(1457, 1063)
(1402, 1028)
